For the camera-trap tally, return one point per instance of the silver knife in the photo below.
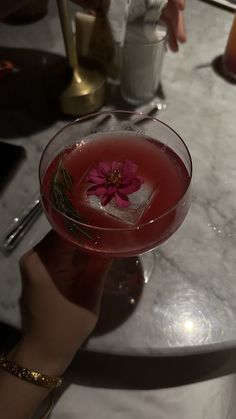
(16, 230)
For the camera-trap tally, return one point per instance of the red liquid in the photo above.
(157, 164)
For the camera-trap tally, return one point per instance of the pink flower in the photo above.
(114, 180)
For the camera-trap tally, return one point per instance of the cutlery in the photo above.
(20, 224)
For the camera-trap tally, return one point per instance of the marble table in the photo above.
(189, 303)
(188, 307)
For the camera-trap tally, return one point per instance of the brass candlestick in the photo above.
(85, 89)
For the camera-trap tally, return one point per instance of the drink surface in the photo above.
(165, 180)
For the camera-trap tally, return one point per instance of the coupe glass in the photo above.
(131, 239)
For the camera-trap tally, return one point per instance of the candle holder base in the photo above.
(75, 94)
(218, 67)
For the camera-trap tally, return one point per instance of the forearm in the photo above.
(19, 399)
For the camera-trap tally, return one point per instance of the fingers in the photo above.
(24, 258)
(180, 29)
(180, 4)
(173, 16)
(52, 242)
(55, 262)
(88, 289)
(176, 21)
(49, 250)
(172, 41)
(56, 255)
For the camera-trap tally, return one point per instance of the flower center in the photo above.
(114, 177)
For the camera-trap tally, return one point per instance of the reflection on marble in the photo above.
(189, 302)
(191, 318)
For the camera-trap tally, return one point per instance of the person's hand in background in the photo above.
(173, 15)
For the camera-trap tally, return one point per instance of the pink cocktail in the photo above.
(113, 187)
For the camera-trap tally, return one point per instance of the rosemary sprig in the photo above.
(62, 183)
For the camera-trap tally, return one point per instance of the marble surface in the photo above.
(209, 400)
(189, 303)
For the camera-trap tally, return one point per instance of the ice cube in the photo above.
(130, 215)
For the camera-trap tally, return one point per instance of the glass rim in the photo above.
(151, 43)
(128, 228)
(147, 44)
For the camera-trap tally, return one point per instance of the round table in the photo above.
(189, 302)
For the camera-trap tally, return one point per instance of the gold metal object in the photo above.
(84, 90)
(34, 377)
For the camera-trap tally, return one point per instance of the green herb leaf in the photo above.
(62, 183)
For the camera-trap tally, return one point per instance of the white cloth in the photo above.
(122, 12)
(117, 17)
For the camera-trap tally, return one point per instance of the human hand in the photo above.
(174, 18)
(60, 302)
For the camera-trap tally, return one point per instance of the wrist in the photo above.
(27, 354)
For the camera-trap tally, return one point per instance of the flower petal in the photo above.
(97, 190)
(111, 189)
(93, 172)
(92, 190)
(95, 179)
(106, 190)
(129, 169)
(105, 199)
(100, 190)
(103, 168)
(116, 165)
(131, 187)
(122, 200)
(141, 178)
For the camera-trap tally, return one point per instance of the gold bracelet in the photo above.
(34, 377)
